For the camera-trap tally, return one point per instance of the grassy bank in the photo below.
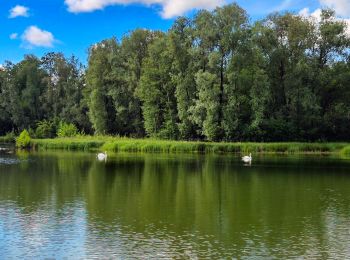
(152, 145)
(77, 143)
(8, 138)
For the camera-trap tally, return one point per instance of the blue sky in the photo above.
(71, 26)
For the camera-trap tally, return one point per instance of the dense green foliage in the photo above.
(46, 129)
(23, 140)
(35, 92)
(67, 130)
(215, 77)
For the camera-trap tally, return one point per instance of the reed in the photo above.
(123, 144)
(8, 138)
(81, 144)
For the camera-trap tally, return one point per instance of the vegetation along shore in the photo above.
(116, 144)
(232, 84)
(149, 145)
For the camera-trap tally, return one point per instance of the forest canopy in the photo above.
(216, 76)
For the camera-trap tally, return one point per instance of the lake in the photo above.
(57, 204)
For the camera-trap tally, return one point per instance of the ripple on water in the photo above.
(9, 161)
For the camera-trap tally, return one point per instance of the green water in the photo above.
(69, 205)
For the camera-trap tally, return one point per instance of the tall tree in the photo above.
(183, 74)
(134, 51)
(6, 124)
(218, 36)
(63, 95)
(25, 87)
(98, 78)
(205, 112)
(157, 92)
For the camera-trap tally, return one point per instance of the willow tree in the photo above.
(218, 36)
(100, 103)
(134, 51)
(157, 92)
(331, 82)
(181, 43)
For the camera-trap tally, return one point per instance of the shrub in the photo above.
(45, 129)
(31, 132)
(23, 141)
(67, 130)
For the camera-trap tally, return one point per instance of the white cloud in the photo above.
(316, 15)
(13, 36)
(341, 7)
(173, 8)
(36, 37)
(170, 8)
(348, 28)
(19, 10)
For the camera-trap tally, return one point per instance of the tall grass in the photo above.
(83, 144)
(8, 138)
(171, 146)
(120, 144)
(345, 151)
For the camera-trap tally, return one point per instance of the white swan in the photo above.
(247, 159)
(102, 156)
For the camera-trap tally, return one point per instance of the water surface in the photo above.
(67, 204)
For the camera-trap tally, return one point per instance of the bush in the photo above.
(31, 132)
(23, 141)
(67, 130)
(45, 129)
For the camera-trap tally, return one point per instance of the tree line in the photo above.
(215, 76)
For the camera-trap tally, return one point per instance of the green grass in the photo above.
(119, 144)
(79, 143)
(8, 138)
(345, 151)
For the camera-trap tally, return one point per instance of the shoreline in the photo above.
(118, 144)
